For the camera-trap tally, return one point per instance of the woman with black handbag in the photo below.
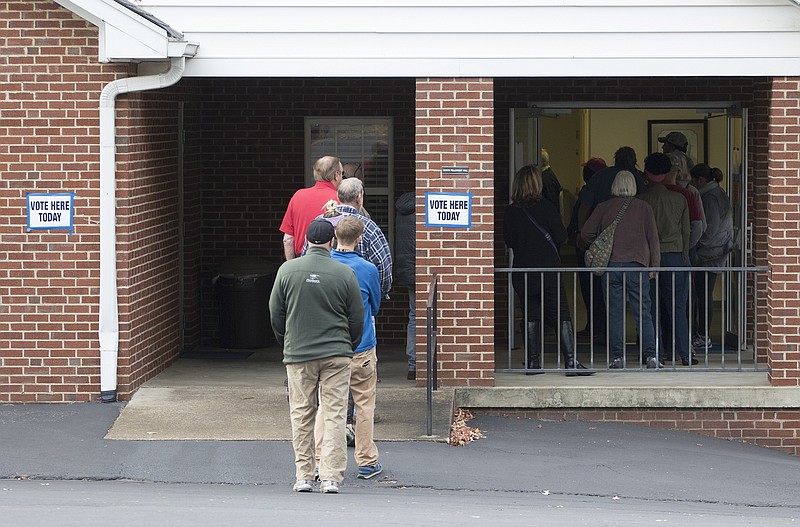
(534, 231)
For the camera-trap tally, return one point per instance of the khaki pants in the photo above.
(333, 377)
(363, 385)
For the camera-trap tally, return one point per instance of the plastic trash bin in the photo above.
(243, 286)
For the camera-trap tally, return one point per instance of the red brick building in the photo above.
(212, 129)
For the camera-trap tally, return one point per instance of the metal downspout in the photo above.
(109, 311)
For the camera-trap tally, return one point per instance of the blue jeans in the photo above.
(593, 297)
(637, 286)
(674, 299)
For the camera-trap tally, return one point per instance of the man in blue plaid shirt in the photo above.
(373, 245)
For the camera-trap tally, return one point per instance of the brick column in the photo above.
(455, 127)
(783, 233)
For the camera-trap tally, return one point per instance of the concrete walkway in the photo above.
(247, 400)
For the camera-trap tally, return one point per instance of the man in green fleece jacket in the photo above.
(317, 316)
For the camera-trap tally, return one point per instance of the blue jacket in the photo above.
(370, 285)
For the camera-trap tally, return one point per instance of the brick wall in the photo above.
(192, 219)
(775, 428)
(783, 233)
(758, 208)
(148, 237)
(49, 280)
(455, 127)
(253, 161)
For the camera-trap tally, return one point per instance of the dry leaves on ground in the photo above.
(460, 432)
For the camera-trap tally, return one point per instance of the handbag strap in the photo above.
(621, 212)
(543, 231)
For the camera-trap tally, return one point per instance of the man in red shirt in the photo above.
(308, 203)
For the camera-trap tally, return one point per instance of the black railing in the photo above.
(431, 359)
(727, 344)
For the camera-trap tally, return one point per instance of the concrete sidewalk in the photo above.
(247, 400)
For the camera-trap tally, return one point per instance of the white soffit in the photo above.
(127, 36)
(528, 38)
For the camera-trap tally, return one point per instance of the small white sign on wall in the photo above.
(448, 209)
(50, 211)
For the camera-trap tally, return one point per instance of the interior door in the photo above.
(737, 192)
(525, 149)
(524, 137)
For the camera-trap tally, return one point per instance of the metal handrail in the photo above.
(430, 356)
(739, 321)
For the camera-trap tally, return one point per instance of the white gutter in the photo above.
(109, 312)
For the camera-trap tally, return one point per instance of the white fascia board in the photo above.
(518, 67)
(124, 36)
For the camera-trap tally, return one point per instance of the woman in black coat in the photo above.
(534, 231)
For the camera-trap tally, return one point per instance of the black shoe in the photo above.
(412, 375)
(686, 360)
(575, 368)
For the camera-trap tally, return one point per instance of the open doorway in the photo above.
(573, 132)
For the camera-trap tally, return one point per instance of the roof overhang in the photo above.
(128, 36)
(456, 38)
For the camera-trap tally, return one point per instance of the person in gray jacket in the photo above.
(406, 269)
(317, 315)
(712, 249)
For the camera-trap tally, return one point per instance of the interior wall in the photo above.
(561, 138)
(253, 161)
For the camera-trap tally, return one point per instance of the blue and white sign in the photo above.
(448, 209)
(50, 211)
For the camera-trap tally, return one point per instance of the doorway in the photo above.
(573, 132)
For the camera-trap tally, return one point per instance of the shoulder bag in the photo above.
(599, 252)
(544, 232)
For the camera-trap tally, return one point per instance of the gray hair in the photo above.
(349, 190)
(624, 184)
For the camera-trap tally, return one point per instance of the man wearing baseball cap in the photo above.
(678, 143)
(672, 221)
(317, 315)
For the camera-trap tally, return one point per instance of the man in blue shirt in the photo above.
(363, 367)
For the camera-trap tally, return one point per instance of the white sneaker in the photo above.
(329, 487)
(303, 485)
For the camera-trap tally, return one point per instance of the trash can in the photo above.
(243, 286)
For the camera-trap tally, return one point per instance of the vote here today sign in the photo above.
(50, 211)
(447, 209)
